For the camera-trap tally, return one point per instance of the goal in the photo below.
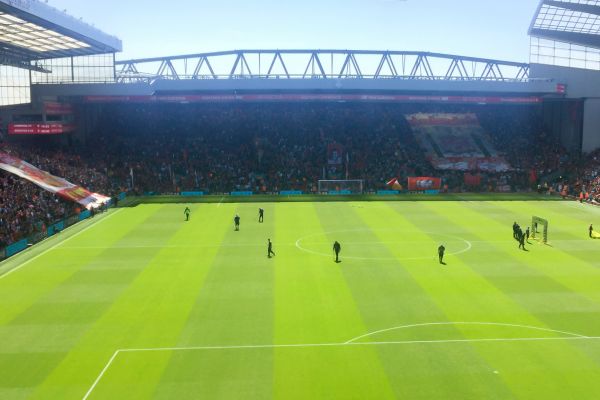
(538, 223)
(341, 186)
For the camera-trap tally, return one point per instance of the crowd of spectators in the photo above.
(264, 148)
(26, 209)
(585, 183)
(253, 147)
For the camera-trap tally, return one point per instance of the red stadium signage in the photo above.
(472, 179)
(53, 108)
(313, 97)
(422, 183)
(39, 129)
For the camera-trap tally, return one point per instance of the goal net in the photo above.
(539, 226)
(341, 186)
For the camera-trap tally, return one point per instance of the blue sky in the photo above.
(479, 28)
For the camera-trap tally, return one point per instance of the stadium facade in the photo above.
(62, 71)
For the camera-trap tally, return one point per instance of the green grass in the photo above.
(139, 304)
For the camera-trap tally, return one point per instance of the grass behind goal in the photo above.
(140, 304)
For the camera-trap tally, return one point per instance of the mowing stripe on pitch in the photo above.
(7, 273)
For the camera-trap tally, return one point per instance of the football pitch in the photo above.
(137, 304)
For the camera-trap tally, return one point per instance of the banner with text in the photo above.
(39, 129)
(335, 154)
(424, 183)
(50, 182)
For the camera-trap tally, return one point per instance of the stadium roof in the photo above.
(571, 21)
(31, 30)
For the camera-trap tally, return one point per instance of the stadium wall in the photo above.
(582, 84)
(162, 86)
(563, 121)
(591, 123)
(547, 86)
(51, 92)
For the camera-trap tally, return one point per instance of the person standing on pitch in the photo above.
(441, 251)
(527, 234)
(187, 212)
(336, 249)
(521, 240)
(261, 214)
(591, 230)
(270, 248)
(236, 222)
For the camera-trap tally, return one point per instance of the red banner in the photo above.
(394, 184)
(472, 180)
(50, 182)
(39, 129)
(53, 108)
(532, 176)
(314, 97)
(424, 183)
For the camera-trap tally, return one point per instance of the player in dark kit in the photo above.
(270, 248)
(515, 227)
(441, 251)
(236, 221)
(261, 214)
(527, 234)
(337, 248)
(521, 240)
(591, 230)
(187, 212)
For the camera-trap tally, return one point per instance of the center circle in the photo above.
(352, 244)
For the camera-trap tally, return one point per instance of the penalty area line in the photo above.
(399, 342)
(347, 344)
(91, 389)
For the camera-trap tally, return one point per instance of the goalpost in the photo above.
(536, 223)
(341, 186)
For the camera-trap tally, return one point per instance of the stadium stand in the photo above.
(147, 148)
(26, 209)
(127, 140)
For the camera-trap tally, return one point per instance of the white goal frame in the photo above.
(535, 223)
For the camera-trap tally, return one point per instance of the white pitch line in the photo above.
(309, 345)
(396, 328)
(101, 375)
(191, 246)
(61, 242)
(300, 247)
(210, 245)
(174, 246)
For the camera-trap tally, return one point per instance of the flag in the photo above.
(51, 183)
(394, 184)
